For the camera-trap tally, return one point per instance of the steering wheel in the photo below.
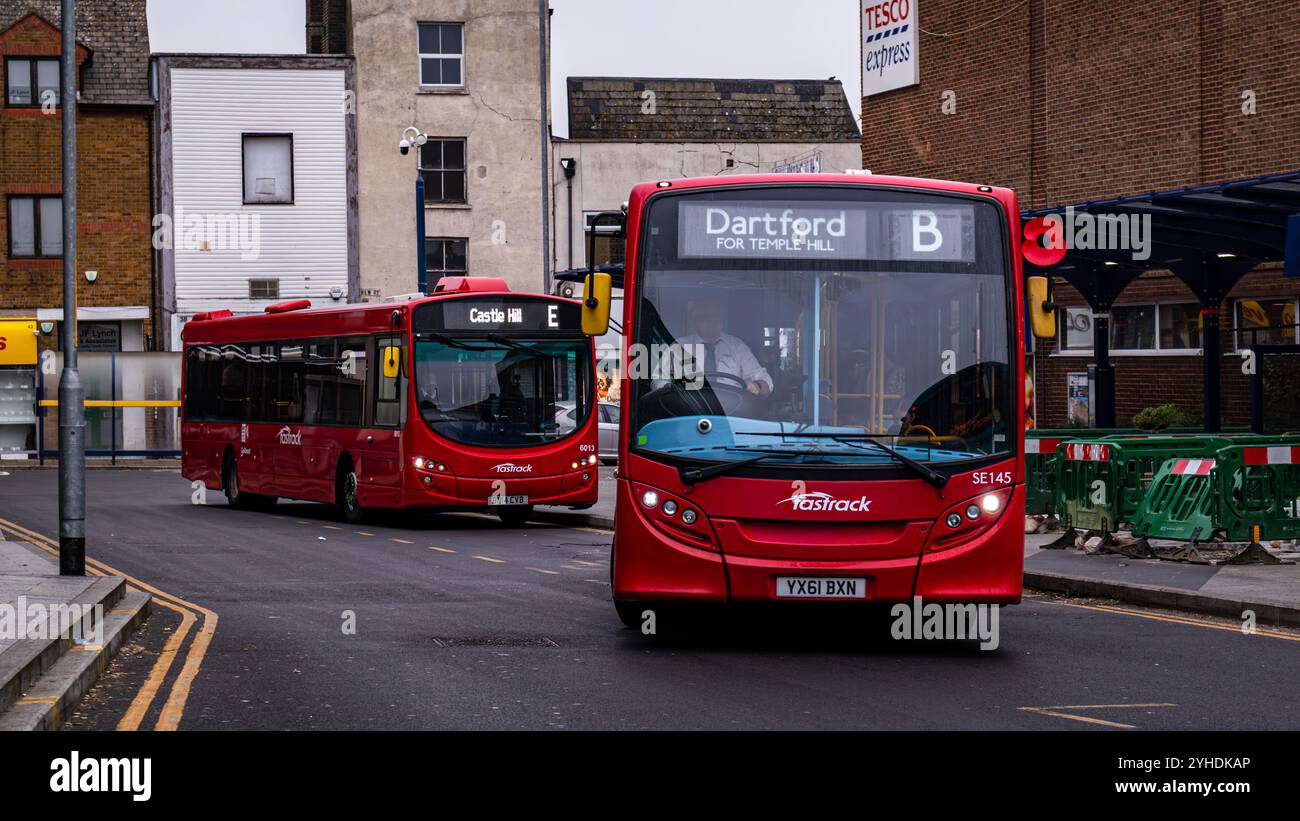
(730, 390)
(911, 428)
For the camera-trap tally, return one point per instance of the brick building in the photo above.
(113, 171)
(1077, 100)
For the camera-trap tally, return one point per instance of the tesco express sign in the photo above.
(889, 46)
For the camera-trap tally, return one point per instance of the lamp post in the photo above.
(414, 137)
(72, 395)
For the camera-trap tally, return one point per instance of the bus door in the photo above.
(288, 462)
(382, 452)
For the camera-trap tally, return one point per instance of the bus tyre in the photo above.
(515, 516)
(348, 495)
(235, 497)
(629, 612)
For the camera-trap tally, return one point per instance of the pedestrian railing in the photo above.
(1226, 488)
(1040, 462)
(1258, 490)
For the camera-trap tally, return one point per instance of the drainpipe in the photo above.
(543, 18)
(570, 166)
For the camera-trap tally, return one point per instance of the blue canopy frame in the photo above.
(1209, 236)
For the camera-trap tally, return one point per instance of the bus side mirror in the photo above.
(392, 362)
(597, 295)
(1042, 313)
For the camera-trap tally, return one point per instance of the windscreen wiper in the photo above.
(926, 472)
(692, 476)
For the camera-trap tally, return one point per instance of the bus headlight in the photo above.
(425, 463)
(674, 517)
(970, 519)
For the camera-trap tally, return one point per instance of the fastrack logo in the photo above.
(824, 502)
(510, 467)
(288, 437)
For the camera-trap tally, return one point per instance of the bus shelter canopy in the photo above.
(1208, 236)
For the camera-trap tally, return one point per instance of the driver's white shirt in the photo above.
(732, 356)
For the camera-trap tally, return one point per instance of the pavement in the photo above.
(457, 622)
(1271, 592)
(45, 672)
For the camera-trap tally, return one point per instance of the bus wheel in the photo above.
(235, 497)
(348, 495)
(515, 516)
(629, 612)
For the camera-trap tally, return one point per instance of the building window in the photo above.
(1180, 326)
(445, 258)
(31, 82)
(264, 289)
(1265, 322)
(268, 169)
(442, 54)
(1076, 329)
(36, 227)
(609, 249)
(1133, 328)
(442, 164)
(1136, 328)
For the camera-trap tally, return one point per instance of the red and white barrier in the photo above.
(1033, 446)
(1193, 467)
(1087, 452)
(1281, 455)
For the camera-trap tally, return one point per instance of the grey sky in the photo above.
(770, 39)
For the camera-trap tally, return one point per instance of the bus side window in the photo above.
(352, 381)
(388, 393)
(288, 400)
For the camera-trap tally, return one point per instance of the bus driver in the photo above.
(722, 352)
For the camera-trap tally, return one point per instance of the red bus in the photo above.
(473, 398)
(821, 396)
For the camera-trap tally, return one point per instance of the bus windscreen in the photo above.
(502, 372)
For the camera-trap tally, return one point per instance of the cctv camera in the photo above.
(404, 146)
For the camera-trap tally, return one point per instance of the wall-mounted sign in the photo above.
(17, 342)
(811, 164)
(99, 336)
(890, 58)
(1078, 399)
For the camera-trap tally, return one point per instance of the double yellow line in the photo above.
(173, 709)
